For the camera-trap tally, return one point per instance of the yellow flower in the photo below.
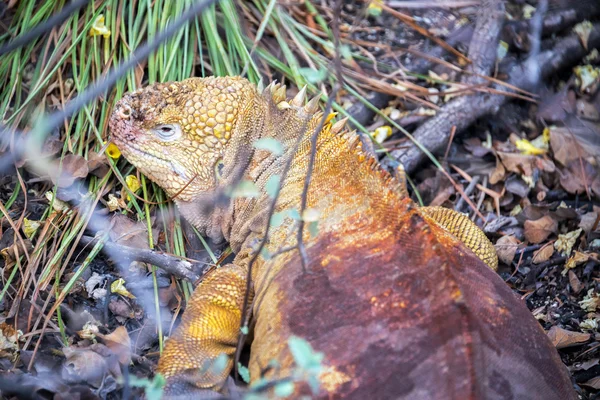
(382, 133)
(113, 151)
(98, 28)
(374, 8)
(30, 227)
(526, 147)
(132, 183)
(118, 287)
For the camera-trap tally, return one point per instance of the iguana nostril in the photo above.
(124, 111)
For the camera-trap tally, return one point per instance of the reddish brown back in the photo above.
(416, 317)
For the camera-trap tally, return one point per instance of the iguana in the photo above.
(402, 301)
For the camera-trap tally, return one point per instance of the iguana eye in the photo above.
(167, 132)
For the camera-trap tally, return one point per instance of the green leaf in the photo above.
(272, 186)
(284, 389)
(278, 218)
(314, 76)
(152, 388)
(265, 254)
(346, 52)
(294, 214)
(269, 144)
(313, 228)
(314, 383)
(244, 373)
(502, 50)
(244, 189)
(219, 364)
(304, 355)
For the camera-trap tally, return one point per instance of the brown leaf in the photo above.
(562, 338)
(555, 107)
(543, 254)
(73, 167)
(573, 142)
(580, 176)
(593, 383)
(90, 364)
(588, 221)
(506, 248)
(97, 164)
(129, 233)
(498, 174)
(119, 343)
(537, 231)
(575, 283)
(518, 163)
(9, 337)
(517, 186)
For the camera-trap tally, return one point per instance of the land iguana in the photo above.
(402, 301)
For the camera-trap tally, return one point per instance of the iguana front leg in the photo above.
(209, 328)
(465, 230)
(457, 224)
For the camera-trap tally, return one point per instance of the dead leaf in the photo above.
(537, 231)
(498, 174)
(95, 286)
(573, 142)
(124, 311)
(579, 177)
(91, 364)
(129, 233)
(588, 221)
(590, 302)
(593, 383)
(562, 338)
(564, 244)
(115, 203)
(583, 30)
(73, 167)
(575, 260)
(9, 337)
(587, 110)
(97, 164)
(506, 248)
(518, 186)
(543, 254)
(575, 283)
(518, 163)
(556, 107)
(119, 343)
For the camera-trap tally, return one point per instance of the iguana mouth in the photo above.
(174, 166)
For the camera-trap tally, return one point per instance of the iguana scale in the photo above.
(402, 301)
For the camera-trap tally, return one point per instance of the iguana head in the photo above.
(175, 133)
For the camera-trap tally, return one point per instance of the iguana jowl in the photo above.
(398, 298)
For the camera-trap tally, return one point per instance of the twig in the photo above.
(313, 140)
(460, 203)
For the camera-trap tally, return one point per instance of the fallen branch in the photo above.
(463, 111)
(176, 266)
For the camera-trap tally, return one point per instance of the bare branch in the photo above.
(190, 270)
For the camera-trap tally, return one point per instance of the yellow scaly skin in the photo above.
(399, 299)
